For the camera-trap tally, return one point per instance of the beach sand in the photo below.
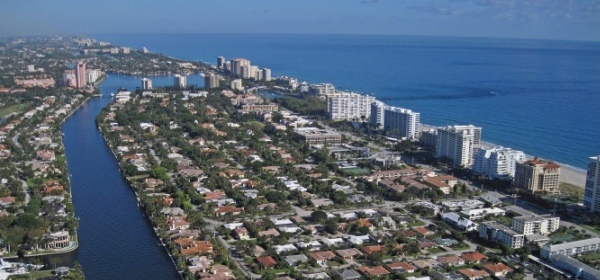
(568, 174)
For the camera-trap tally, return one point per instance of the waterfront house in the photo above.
(177, 222)
(57, 240)
(45, 155)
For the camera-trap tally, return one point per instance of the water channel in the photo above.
(115, 239)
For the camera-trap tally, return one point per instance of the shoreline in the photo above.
(568, 174)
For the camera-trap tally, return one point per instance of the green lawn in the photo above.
(590, 228)
(4, 111)
(355, 171)
(415, 223)
(561, 237)
(34, 275)
(590, 257)
(435, 250)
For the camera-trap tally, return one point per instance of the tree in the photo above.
(160, 173)
(331, 226)
(318, 216)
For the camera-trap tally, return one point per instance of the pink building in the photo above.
(80, 74)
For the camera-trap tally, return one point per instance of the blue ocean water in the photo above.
(538, 96)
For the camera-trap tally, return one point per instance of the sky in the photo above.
(530, 19)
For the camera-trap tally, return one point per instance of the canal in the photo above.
(115, 239)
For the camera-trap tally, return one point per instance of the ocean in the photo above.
(538, 96)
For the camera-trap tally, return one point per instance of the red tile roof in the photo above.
(266, 261)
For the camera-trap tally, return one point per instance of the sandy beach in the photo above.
(568, 174)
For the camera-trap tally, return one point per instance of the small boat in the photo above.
(112, 94)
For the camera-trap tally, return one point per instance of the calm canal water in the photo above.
(116, 241)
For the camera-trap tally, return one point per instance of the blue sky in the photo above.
(540, 19)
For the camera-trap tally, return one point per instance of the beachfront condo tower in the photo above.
(497, 162)
(591, 198)
(458, 143)
(349, 106)
(537, 175)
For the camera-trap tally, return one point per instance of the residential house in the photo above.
(369, 250)
(266, 262)
(473, 257)
(473, 274)
(349, 274)
(348, 254)
(217, 272)
(294, 260)
(450, 260)
(177, 222)
(268, 233)
(322, 257)
(241, 233)
(497, 269)
(403, 267)
(425, 263)
(220, 211)
(426, 244)
(423, 231)
(375, 271)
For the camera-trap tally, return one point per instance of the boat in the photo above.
(112, 94)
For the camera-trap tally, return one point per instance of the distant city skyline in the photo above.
(535, 19)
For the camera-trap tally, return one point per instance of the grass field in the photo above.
(356, 171)
(4, 111)
(561, 237)
(590, 257)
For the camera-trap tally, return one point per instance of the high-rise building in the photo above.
(497, 162)
(237, 64)
(221, 62)
(146, 84)
(69, 78)
(537, 175)
(266, 75)
(179, 81)
(237, 84)
(349, 106)
(211, 81)
(458, 143)
(80, 75)
(377, 114)
(401, 123)
(591, 199)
